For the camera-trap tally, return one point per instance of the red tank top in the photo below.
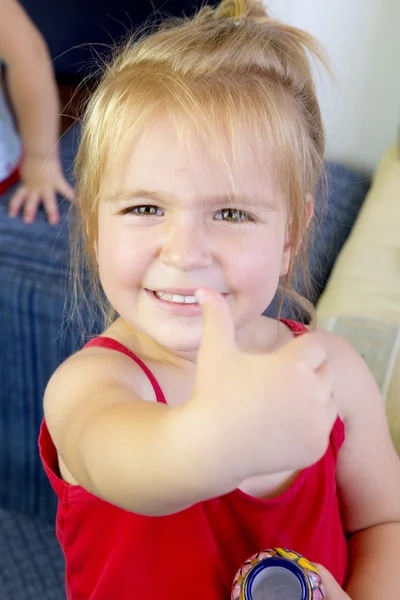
(112, 554)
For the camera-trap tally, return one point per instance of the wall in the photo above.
(362, 106)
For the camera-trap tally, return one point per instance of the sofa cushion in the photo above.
(32, 564)
(34, 340)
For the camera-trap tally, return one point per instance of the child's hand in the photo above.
(42, 178)
(333, 590)
(263, 413)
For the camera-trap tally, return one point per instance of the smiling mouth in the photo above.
(177, 298)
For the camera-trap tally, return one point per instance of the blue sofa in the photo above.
(35, 338)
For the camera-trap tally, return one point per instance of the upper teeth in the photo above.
(176, 298)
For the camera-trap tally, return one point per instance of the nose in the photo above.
(186, 247)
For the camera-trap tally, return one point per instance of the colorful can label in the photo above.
(277, 574)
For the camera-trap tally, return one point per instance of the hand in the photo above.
(42, 178)
(264, 412)
(333, 591)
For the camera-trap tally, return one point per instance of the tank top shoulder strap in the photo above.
(111, 344)
(338, 431)
(296, 327)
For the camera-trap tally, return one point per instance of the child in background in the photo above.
(33, 94)
(195, 432)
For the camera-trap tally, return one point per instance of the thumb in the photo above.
(333, 591)
(218, 326)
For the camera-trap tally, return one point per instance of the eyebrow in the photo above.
(215, 200)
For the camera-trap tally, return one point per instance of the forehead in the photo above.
(167, 158)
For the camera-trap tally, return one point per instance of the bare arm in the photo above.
(138, 454)
(374, 562)
(35, 101)
(30, 77)
(153, 459)
(368, 476)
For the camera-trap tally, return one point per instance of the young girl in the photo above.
(195, 432)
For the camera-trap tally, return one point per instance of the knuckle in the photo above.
(297, 369)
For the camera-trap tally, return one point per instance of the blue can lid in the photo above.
(286, 581)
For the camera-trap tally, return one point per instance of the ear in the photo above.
(288, 248)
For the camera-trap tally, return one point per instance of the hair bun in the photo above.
(241, 9)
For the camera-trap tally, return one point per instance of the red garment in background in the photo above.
(11, 180)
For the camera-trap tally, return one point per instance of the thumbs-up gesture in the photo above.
(265, 413)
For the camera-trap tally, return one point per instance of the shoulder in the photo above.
(93, 361)
(82, 385)
(92, 367)
(354, 385)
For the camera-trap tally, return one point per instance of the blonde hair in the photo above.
(222, 69)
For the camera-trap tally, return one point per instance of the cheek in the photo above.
(256, 280)
(255, 267)
(120, 258)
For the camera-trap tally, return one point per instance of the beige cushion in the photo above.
(362, 299)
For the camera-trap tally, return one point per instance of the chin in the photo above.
(178, 343)
(173, 336)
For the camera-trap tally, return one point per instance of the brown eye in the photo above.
(147, 210)
(234, 215)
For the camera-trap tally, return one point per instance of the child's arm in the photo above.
(368, 477)
(34, 98)
(137, 454)
(155, 459)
